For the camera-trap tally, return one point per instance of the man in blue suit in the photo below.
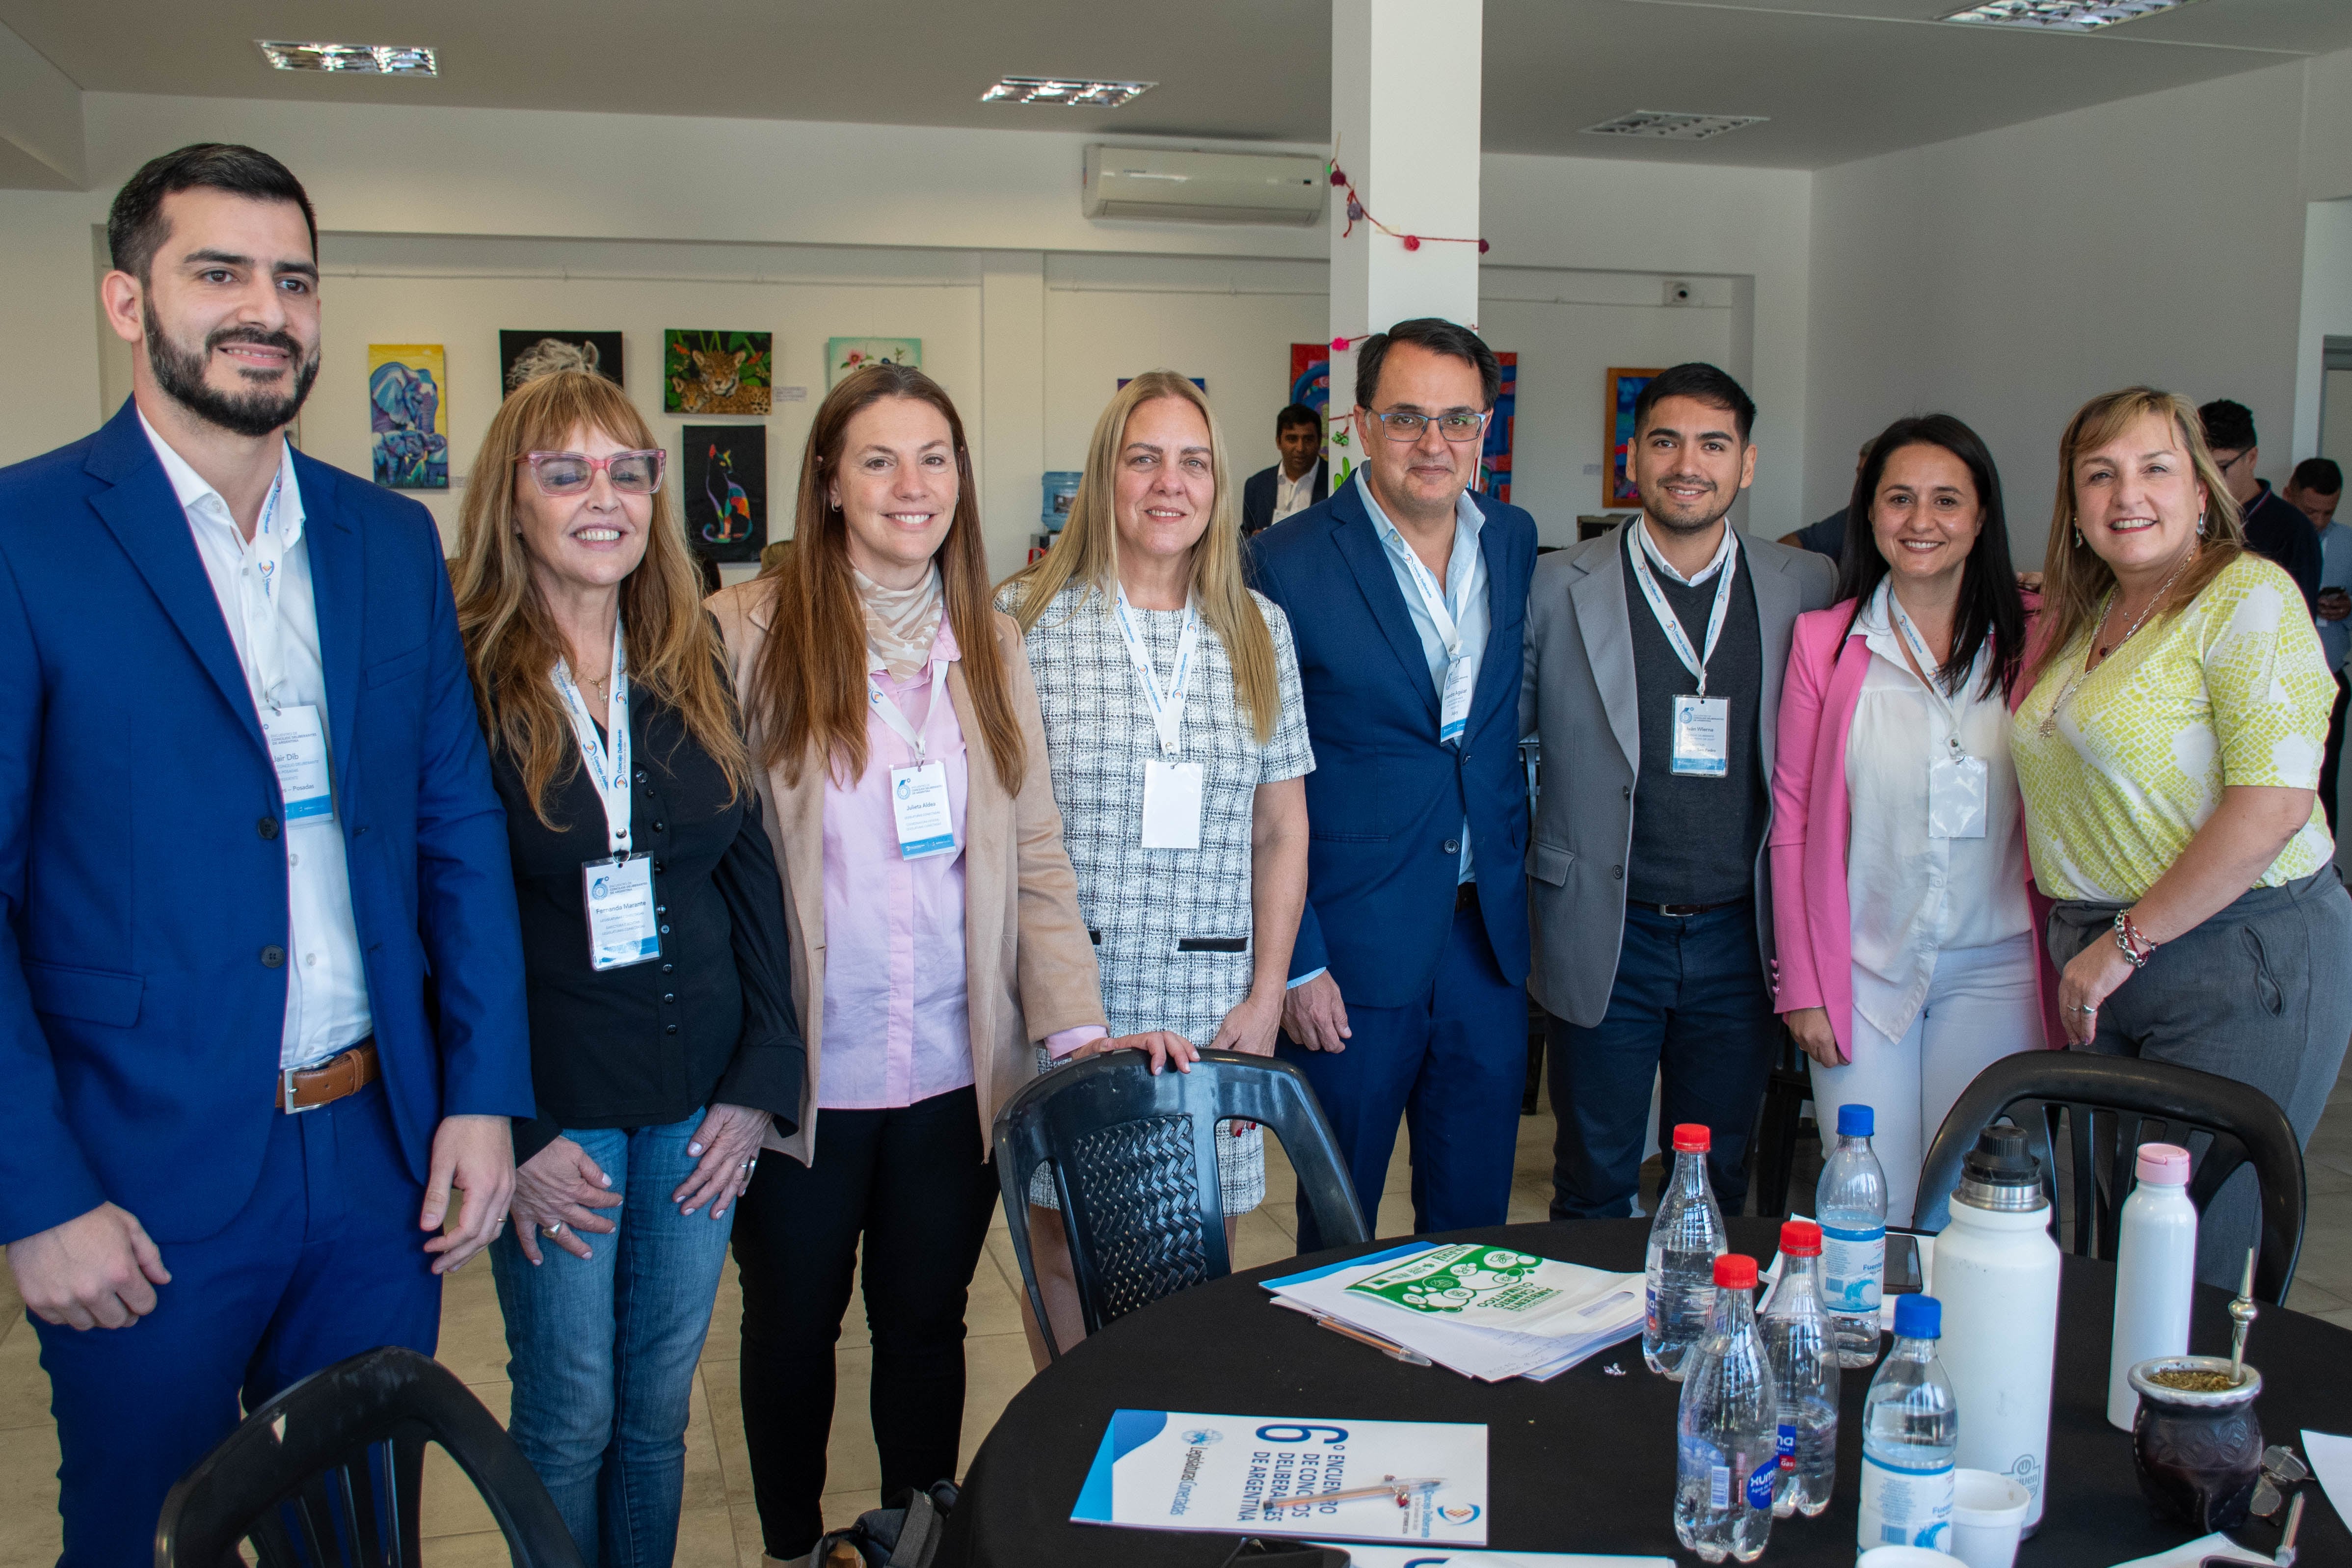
(261, 995)
(1406, 596)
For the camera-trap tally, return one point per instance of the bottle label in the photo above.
(1905, 1506)
(1788, 1446)
(1719, 1487)
(1852, 1264)
(1760, 1484)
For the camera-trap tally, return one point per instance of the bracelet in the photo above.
(2135, 944)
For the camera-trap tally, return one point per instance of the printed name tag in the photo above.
(1703, 737)
(298, 747)
(919, 806)
(1956, 798)
(1171, 805)
(1453, 711)
(623, 927)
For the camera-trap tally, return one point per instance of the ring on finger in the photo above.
(556, 1228)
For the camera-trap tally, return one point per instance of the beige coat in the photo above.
(1029, 964)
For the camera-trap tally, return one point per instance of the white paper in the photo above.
(921, 809)
(1183, 1469)
(2330, 1458)
(2189, 1556)
(298, 749)
(1360, 1556)
(1171, 805)
(1453, 706)
(1702, 737)
(1489, 1288)
(623, 928)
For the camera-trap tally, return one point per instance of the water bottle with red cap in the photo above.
(1803, 1352)
(1727, 1460)
(1686, 1239)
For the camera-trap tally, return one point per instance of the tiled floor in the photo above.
(720, 1527)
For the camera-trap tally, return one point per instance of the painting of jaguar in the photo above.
(716, 372)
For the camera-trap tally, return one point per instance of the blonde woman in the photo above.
(663, 1039)
(1177, 740)
(2169, 747)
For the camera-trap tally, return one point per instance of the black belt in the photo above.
(1195, 944)
(1466, 896)
(1680, 910)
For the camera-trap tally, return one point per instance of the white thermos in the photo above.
(1997, 1275)
(2156, 1264)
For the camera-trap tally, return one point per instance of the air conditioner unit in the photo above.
(1168, 185)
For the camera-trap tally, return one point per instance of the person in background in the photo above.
(1653, 674)
(1909, 961)
(262, 995)
(1828, 535)
(1406, 595)
(658, 1056)
(2272, 526)
(934, 926)
(1270, 495)
(2314, 490)
(1153, 660)
(2167, 747)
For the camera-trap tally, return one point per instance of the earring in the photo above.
(2201, 524)
(2078, 535)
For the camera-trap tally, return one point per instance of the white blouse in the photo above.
(1913, 895)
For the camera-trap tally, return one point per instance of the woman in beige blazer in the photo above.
(935, 931)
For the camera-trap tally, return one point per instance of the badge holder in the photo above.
(624, 920)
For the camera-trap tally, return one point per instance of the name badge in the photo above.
(1956, 798)
(623, 927)
(1453, 710)
(298, 747)
(1702, 737)
(918, 807)
(1171, 805)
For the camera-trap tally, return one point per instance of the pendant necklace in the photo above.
(2049, 724)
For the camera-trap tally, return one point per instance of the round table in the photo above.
(1586, 1461)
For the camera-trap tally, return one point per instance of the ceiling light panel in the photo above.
(1073, 92)
(1668, 125)
(351, 60)
(2062, 16)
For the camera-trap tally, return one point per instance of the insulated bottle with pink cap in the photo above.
(2156, 1264)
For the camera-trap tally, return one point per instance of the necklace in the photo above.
(2066, 694)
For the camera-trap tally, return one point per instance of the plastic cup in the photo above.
(1904, 1557)
(1988, 1513)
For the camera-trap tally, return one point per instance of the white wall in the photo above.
(2326, 312)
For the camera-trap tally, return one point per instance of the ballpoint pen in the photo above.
(1397, 1487)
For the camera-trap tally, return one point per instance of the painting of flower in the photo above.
(843, 355)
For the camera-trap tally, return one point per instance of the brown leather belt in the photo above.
(345, 1073)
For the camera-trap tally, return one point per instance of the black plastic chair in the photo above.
(1779, 1125)
(2110, 1107)
(1135, 1170)
(303, 1481)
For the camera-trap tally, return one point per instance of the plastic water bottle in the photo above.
(1686, 1239)
(1851, 1203)
(2156, 1264)
(1804, 1354)
(1910, 1429)
(1726, 1451)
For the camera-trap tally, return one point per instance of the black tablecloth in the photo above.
(1586, 1461)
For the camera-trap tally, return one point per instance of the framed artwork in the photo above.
(408, 415)
(527, 356)
(1310, 375)
(1495, 451)
(723, 489)
(716, 372)
(1624, 386)
(843, 355)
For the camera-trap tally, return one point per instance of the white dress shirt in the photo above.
(326, 985)
(1294, 495)
(1911, 895)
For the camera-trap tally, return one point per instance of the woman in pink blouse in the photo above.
(935, 931)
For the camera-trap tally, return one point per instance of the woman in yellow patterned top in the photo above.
(2168, 749)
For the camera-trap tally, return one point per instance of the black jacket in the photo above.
(2276, 528)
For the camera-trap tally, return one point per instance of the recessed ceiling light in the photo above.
(2062, 16)
(1666, 125)
(1074, 92)
(352, 59)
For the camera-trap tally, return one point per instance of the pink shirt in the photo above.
(896, 1029)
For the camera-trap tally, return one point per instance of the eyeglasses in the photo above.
(1456, 427)
(571, 473)
(2234, 460)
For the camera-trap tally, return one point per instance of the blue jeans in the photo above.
(1689, 1003)
(603, 1349)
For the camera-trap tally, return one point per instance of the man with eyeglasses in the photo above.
(1406, 593)
(2275, 527)
(245, 812)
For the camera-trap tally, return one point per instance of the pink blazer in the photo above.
(1812, 826)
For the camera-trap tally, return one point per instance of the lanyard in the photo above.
(888, 711)
(1433, 597)
(1725, 557)
(608, 767)
(1167, 707)
(265, 631)
(1927, 670)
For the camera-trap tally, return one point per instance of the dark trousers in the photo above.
(324, 1262)
(1690, 1001)
(1454, 1066)
(913, 1184)
(2332, 758)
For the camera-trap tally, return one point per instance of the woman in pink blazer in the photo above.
(1909, 956)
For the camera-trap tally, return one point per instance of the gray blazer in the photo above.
(1578, 698)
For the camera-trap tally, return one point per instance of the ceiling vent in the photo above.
(1165, 184)
(2062, 16)
(1069, 92)
(351, 59)
(1667, 125)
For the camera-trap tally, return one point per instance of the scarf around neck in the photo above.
(901, 622)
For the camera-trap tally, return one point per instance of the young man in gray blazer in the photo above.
(1654, 661)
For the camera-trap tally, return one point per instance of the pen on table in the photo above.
(1395, 1486)
(1387, 1347)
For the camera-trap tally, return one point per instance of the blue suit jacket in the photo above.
(142, 871)
(1386, 795)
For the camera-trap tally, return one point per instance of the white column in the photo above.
(1010, 437)
(1405, 79)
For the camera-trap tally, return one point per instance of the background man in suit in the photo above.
(1653, 674)
(1406, 597)
(245, 810)
(2274, 526)
(1297, 481)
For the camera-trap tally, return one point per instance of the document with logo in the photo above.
(1422, 1557)
(1420, 1482)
